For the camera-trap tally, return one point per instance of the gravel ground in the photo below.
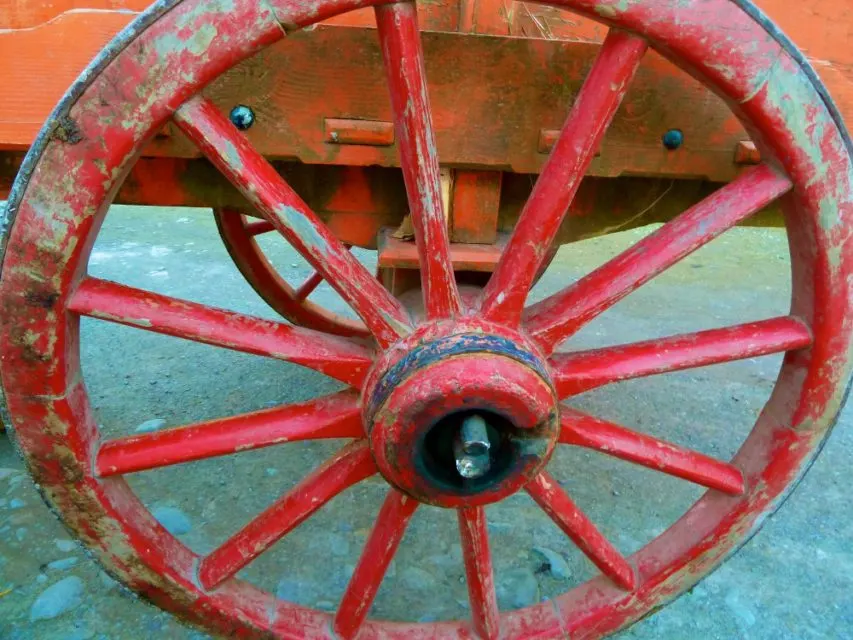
(793, 580)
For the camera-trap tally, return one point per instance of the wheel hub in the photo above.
(461, 420)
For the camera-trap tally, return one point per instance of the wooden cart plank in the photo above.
(516, 90)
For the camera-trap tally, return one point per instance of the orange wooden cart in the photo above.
(331, 112)
(700, 114)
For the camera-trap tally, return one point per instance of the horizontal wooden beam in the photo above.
(514, 89)
(357, 201)
(400, 254)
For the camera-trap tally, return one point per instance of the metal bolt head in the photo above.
(473, 467)
(475, 436)
(242, 117)
(673, 139)
(471, 448)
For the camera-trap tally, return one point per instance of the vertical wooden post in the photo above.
(475, 204)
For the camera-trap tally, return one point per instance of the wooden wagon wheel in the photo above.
(239, 233)
(422, 379)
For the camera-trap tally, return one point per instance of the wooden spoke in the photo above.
(258, 227)
(556, 318)
(336, 357)
(259, 182)
(351, 465)
(394, 517)
(400, 40)
(336, 416)
(575, 524)
(588, 121)
(478, 570)
(308, 287)
(592, 433)
(251, 260)
(581, 371)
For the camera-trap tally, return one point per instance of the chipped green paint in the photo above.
(790, 92)
(303, 228)
(202, 13)
(168, 43)
(828, 216)
(197, 44)
(829, 219)
(614, 9)
(232, 155)
(202, 38)
(400, 328)
(760, 81)
(57, 218)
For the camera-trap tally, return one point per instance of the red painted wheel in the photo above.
(425, 410)
(239, 233)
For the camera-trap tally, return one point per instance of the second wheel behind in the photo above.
(240, 234)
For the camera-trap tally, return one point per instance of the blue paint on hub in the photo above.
(447, 347)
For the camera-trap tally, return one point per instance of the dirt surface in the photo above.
(792, 581)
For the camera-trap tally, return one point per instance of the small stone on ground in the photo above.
(176, 521)
(557, 565)
(66, 545)
(57, 599)
(151, 425)
(62, 564)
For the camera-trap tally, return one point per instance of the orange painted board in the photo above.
(307, 79)
(23, 14)
(488, 132)
(38, 65)
(822, 29)
(485, 16)
(475, 206)
(400, 254)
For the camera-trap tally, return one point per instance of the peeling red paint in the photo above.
(95, 140)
